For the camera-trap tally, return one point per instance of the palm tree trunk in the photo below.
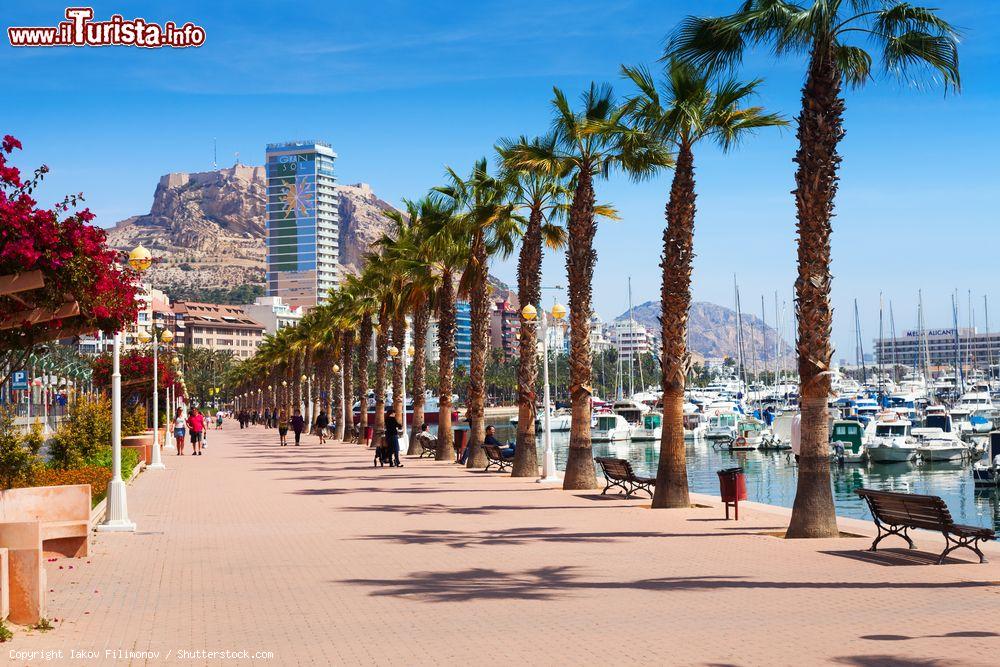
(347, 416)
(529, 291)
(446, 366)
(580, 257)
(421, 318)
(820, 130)
(398, 342)
(675, 297)
(479, 306)
(364, 354)
(381, 343)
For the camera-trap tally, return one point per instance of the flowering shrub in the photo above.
(71, 254)
(136, 367)
(83, 435)
(133, 421)
(97, 476)
(18, 452)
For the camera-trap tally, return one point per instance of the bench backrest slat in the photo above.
(919, 511)
(616, 469)
(46, 503)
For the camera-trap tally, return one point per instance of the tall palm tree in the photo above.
(408, 252)
(483, 209)
(447, 249)
(540, 198)
(836, 35)
(589, 144)
(683, 112)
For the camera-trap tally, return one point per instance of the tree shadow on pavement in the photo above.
(545, 583)
(437, 508)
(892, 661)
(519, 536)
(897, 557)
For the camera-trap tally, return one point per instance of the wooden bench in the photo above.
(619, 473)
(495, 458)
(895, 513)
(62, 511)
(428, 445)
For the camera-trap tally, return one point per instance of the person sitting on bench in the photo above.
(506, 451)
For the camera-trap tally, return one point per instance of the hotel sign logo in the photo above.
(932, 333)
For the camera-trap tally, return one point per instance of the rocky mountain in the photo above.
(208, 228)
(712, 330)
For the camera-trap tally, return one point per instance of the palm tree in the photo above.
(484, 212)
(589, 144)
(418, 284)
(835, 34)
(447, 248)
(683, 112)
(541, 198)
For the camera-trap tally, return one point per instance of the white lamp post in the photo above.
(402, 354)
(530, 313)
(116, 514)
(168, 442)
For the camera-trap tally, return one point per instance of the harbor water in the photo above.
(771, 476)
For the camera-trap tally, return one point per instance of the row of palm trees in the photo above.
(543, 192)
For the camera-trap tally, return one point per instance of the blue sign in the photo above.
(19, 380)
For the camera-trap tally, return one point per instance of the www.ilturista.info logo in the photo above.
(81, 30)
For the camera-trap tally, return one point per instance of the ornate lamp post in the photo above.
(530, 313)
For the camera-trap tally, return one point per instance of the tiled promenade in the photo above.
(311, 554)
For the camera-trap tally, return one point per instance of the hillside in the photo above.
(208, 228)
(712, 330)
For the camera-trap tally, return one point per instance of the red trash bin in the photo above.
(733, 489)
(460, 435)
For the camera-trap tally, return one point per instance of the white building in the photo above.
(273, 313)
(599, 341)
(630, 339)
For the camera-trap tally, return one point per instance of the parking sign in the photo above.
(19, 380)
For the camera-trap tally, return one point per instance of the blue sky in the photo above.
(401, 88)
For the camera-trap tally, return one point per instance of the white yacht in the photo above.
(942, 448)
(722, 425)
(631, 410)
(610, 427)
(649, 428)
(888, 439)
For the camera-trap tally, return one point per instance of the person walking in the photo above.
(180, 430)
(218, 420)
(298, 425)
(282, 428)
(196, 422)
(267, 418)
(392, 431)
(322, 421)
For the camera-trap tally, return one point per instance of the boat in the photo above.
(610, 427)
(694, 425)
(649, 428)
(721, 422)
(942, 449)
(749, 433)
(888, 439)
(847, 441)
(986, 471)
(631, 411)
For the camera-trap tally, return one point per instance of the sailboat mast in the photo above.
(631, 341)
(860, 352)
(892, 334)
(881, 347)
(989, 341)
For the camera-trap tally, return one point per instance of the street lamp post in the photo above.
(116, 514)
(530, 313)
(168, 443)
(402, 354)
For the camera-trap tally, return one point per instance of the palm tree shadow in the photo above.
(520, 536)
(545, 583)
(892, 661)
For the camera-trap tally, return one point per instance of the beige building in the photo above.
(211, 326)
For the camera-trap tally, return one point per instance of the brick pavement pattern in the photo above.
(311, 554)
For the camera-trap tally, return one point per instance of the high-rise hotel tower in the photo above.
(303, 252)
